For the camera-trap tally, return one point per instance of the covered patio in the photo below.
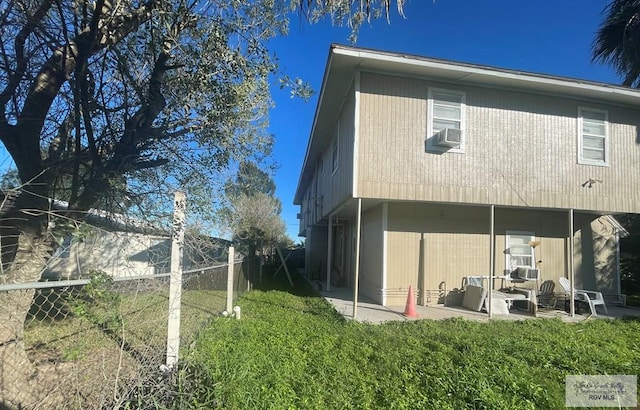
(368, 311)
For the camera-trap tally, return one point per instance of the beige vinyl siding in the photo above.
(309, 208)
(521, 150)
(371, 239)
(454, 242)
(595, 258)
(336, 187)
(433, 247)
(330, 189)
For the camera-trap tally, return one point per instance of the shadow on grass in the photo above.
(312, 301)
(272, 280)
(630, 319)
(51, 305)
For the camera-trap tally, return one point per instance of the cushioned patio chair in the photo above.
(474, 297)
(590, 297)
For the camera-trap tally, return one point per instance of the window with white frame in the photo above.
(520, 250)
(446, 112)
(308, 210)
(593, 144)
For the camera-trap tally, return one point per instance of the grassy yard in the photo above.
(292, 351)
(95, 362)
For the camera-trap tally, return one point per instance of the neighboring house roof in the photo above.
(344, 61)
(109, 221)
(116, 222)
(103, 219)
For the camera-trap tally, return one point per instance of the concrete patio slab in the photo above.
(371, 312)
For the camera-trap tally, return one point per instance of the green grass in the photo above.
(144, 324)
(291, 350)
(104, 359)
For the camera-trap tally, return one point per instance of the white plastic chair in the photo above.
(590, 297)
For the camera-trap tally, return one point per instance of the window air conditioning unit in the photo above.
(528, 273)
(449, 137)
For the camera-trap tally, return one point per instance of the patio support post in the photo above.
(619, 283)
(572, 303)
(423, 272)
(357, 267)
(492, 256)
(329, 252)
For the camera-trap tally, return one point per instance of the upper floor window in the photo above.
(307, 213)
(446, 120)
(593, 144)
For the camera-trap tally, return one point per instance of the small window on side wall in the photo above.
(593, 138)
(445, 125)
(335, 155)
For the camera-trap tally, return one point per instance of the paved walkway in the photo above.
(369, 311)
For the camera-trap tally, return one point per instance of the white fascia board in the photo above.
(490, 76)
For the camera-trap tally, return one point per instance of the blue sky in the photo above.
(543, 36)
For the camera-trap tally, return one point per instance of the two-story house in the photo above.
(420, 172)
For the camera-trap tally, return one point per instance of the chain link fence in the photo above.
(99, 342)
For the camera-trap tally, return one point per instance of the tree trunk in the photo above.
(20, 384)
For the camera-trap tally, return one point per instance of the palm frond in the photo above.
(617, 41)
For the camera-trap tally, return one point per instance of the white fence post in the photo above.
(230, 268)
(175, 281)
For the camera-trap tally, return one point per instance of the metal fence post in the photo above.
(230, 269)
(175, 281)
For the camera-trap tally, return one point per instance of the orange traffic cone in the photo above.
(410, 308)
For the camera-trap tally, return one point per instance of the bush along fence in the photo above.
(95, 342)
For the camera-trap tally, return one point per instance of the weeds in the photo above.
(291, 350)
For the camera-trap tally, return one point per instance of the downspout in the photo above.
(492, 257)
(357, 267)
(355, 193)
(572, 303)
(356, 134)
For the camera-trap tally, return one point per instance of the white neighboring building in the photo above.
(123, 247)
(119, 254)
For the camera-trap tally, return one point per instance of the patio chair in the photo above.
(546, 296)
(590, 297)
